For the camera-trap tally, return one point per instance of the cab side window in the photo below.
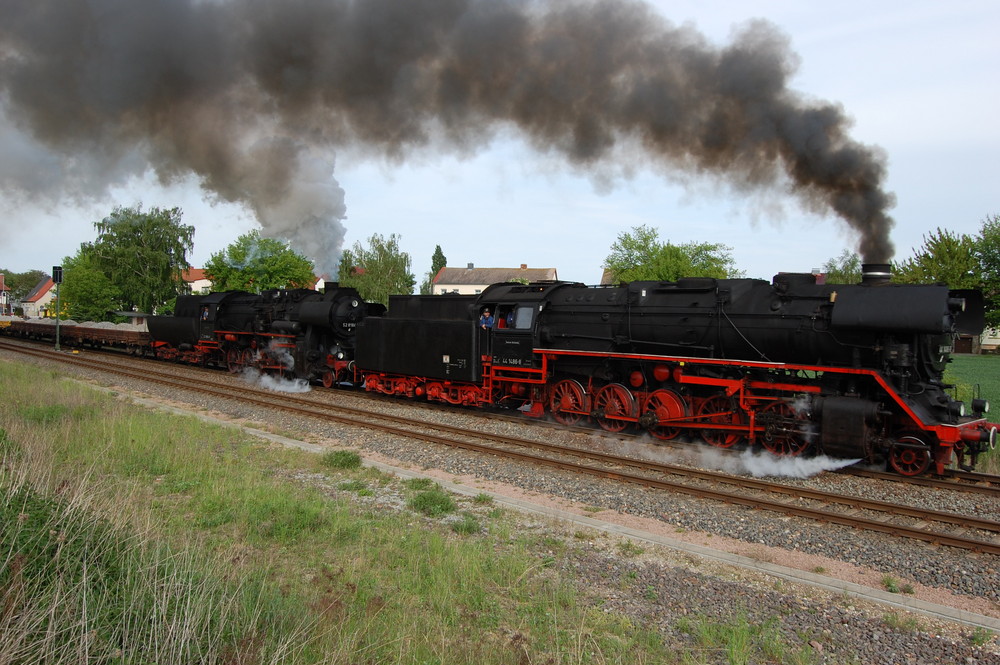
(523, 317)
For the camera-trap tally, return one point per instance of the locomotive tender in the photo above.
(794, 366)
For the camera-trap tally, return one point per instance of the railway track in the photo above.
(953, 480)
(934, 527)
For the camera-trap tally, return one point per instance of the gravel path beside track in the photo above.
(659, 587)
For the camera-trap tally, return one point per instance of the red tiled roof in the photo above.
(492, 275)
(193, 274)
(40, 290)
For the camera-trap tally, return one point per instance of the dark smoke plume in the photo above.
(254, 97)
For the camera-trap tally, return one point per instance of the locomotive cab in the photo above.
(517, 310)
(512, 335)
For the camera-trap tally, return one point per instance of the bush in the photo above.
(433, 503)
(342, 459)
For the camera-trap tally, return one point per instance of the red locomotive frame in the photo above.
(757, 407)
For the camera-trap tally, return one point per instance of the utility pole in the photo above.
(57, 277)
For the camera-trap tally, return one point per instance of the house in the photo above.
(989, 341)
(195, 281)
(320, 282)
(5, 304)
(39, 301)
(472, 280)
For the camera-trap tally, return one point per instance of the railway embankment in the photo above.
(386, 562)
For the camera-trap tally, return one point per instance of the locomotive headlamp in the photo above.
(980, 406)
(957, 409)
(956, 304)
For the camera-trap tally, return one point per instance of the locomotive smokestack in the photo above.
(876, 273)
(252, 98)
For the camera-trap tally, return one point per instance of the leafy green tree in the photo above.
(256, 264)
(143, 254)
(640, 255)
(87, 293)
(21, 283)
(845, 269)
(988, 255)
(438, 261)
(945, 258)
(378, 270)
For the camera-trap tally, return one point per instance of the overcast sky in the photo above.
(919, 79)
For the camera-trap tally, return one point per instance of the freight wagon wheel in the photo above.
(612, 404)
(909, 461)
(721, 410)
(234, 360)
(568, 402)
(782, 435)
(666, 405)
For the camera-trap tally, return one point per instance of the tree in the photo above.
(257, 264)
(438, 261)
(845, 269)
(378, 270)
(640, 255)
(143, 254)
(87, 293)
(988, 255)
(945, 258)
(21, 283)
(961, 261)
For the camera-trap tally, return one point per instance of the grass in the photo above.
(978, 376)
(137, 537)
(903, 623)
(342, 459)
(740, 642)
(981, 636)
(890, 583)
(970, 372)
(433, 502)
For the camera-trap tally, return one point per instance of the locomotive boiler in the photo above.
(793, 366)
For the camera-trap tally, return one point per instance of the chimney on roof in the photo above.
(524, 266)
(470, 266)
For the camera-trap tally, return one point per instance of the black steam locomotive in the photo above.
(793, 366)
(297, 333)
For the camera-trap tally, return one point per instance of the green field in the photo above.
(971, 372)
(978, 376)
